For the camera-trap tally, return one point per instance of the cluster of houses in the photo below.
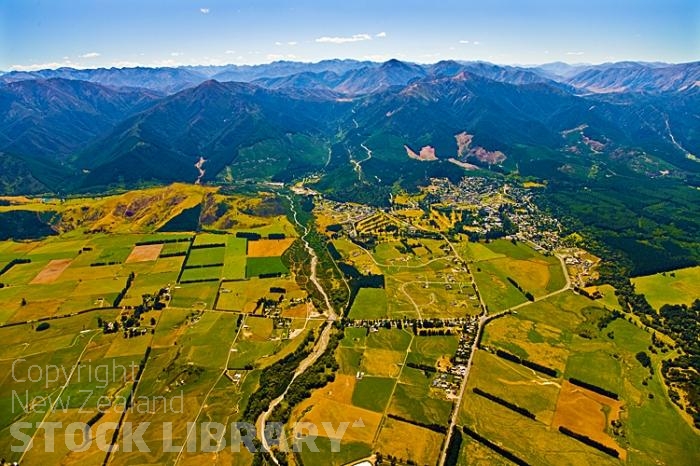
(580, 268)
(451, 380)
(478, 204)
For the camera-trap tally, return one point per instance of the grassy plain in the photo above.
(408, 442)
(373, 393)
(243, 295)
(256, 266)
(677, 287)
(369, 304)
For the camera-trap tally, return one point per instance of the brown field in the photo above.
(408, 442)
(588, 413)
(51, 272)
(381, 362)
(297, 312)
(127, 346)
(530, 274)
(335, 413)
(60, 454)
(268, 247)
(333, 404)
(340, 389)
(145, 253)
(36, 310)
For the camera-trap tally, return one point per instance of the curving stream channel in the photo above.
(320, 346)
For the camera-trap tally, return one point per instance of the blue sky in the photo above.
(92, 33)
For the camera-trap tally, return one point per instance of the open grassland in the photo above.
(235, 260)
(477, 252)
(195, 295)
(201, 273)
(207, 239)
(426, 283)
(518, 384)
(543, 331)
(381, 362)
(609, 299)
(394, 339)
(243, 295)
(588, 413)
(175, 248)
(415, 385)
(677, 287)
(369, 304)
(355, 337)
(256, 266)
(501, 260)
(260, 344)
(430, 350)
(408, 442)
(373, 393)
(474, 453)
(356, 256)
(144, 253)
(324, 406)
(51, 272)
(207, 256)
(269, 247)
(348, 452)
(497, 292)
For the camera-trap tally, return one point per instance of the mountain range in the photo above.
(625, 134)
(125, 126)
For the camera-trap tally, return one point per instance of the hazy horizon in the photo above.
(223, 65)
(83, 34)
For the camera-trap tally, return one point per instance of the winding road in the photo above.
(357, 164)
(199, 166)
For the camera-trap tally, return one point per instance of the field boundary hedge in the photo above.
(497, 448)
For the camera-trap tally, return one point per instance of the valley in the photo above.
(283, 233)
(230, 307)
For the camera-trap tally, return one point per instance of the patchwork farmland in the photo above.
(145, 299)
(440, 344)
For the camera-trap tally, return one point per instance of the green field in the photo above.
(195, 295)
(175, 248)
(428, 350)
(373, 393)
(206, 256)
(209, 238)
(415, 385)
(370, 303)
(201, 273)
(256, 266)
(394, 339)
(496, 291)
(477, 252)
(677, 287)
(235, 260)
(349, 451)
(243, 295)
